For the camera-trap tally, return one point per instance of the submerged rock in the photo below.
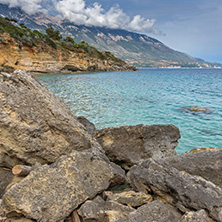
(196, 109)
(35, 125)
(129, 145)
(51, 193)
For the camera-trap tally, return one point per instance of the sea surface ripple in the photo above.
(148, 96)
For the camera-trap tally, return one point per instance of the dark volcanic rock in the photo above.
(154, 211)
(51, 193)
(177, 187)
(35, 125)
(206, 164)
(129, 145)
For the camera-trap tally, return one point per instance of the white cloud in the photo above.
(29, 6)
(76, 11)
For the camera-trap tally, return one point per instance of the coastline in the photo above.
(118, 174)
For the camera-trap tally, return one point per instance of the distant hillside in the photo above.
(134, 48)
(22, 48)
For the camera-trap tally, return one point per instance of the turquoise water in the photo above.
(148, 96)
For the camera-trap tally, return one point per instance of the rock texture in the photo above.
(47, 59)
(129, 145)
(206, 164)
(154, 211)
(35, 125)
(198, 216)
(51, 193)
(100, 210)
(197, 109)
(129, 198)
(89, 126)
(6, 178)
(177, 187)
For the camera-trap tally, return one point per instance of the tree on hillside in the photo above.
(53, 34)
(69, 39)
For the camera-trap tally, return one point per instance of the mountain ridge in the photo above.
(137, 49)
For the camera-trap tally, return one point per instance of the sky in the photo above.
(190, 26)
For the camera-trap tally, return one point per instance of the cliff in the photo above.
(35, 52)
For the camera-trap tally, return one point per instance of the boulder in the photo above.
(6, 178)
(195, 216)
(51, 192)
(35, 125)
(154, 211)
(206, 164)
(128, 197)
(99, 210)
(179, 188)
(129, 145)
(89, 126)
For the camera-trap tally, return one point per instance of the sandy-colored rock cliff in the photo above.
(47, 59)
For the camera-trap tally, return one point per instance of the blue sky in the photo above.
(191, 26)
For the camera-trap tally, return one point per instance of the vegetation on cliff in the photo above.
(50, 41)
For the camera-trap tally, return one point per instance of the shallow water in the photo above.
(148, 96)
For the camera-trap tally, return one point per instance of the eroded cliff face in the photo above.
(47, 59)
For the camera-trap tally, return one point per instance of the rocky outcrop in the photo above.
(35, 125)
(205, 164)
(51, 193)
(154, 211)
(47, 59)
(129, 145)
(177, 187)
(79, 183)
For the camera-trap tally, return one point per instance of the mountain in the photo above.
(137, 49)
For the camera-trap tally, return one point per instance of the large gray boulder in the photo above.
(129, 145)
(207, 164)
(99, 210)
(35, 125)
(179, 188)
(154, 211)
(51, 192)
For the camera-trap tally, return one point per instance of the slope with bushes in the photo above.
(22, 48)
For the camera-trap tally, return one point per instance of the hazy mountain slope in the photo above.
(137, 49)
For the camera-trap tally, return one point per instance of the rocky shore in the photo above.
(76, 173)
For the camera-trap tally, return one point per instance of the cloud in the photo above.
(29, 6)
(93, 15)
(76, 11)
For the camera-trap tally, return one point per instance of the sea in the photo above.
(147, 96)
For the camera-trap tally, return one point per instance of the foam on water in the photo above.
(149, 96)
